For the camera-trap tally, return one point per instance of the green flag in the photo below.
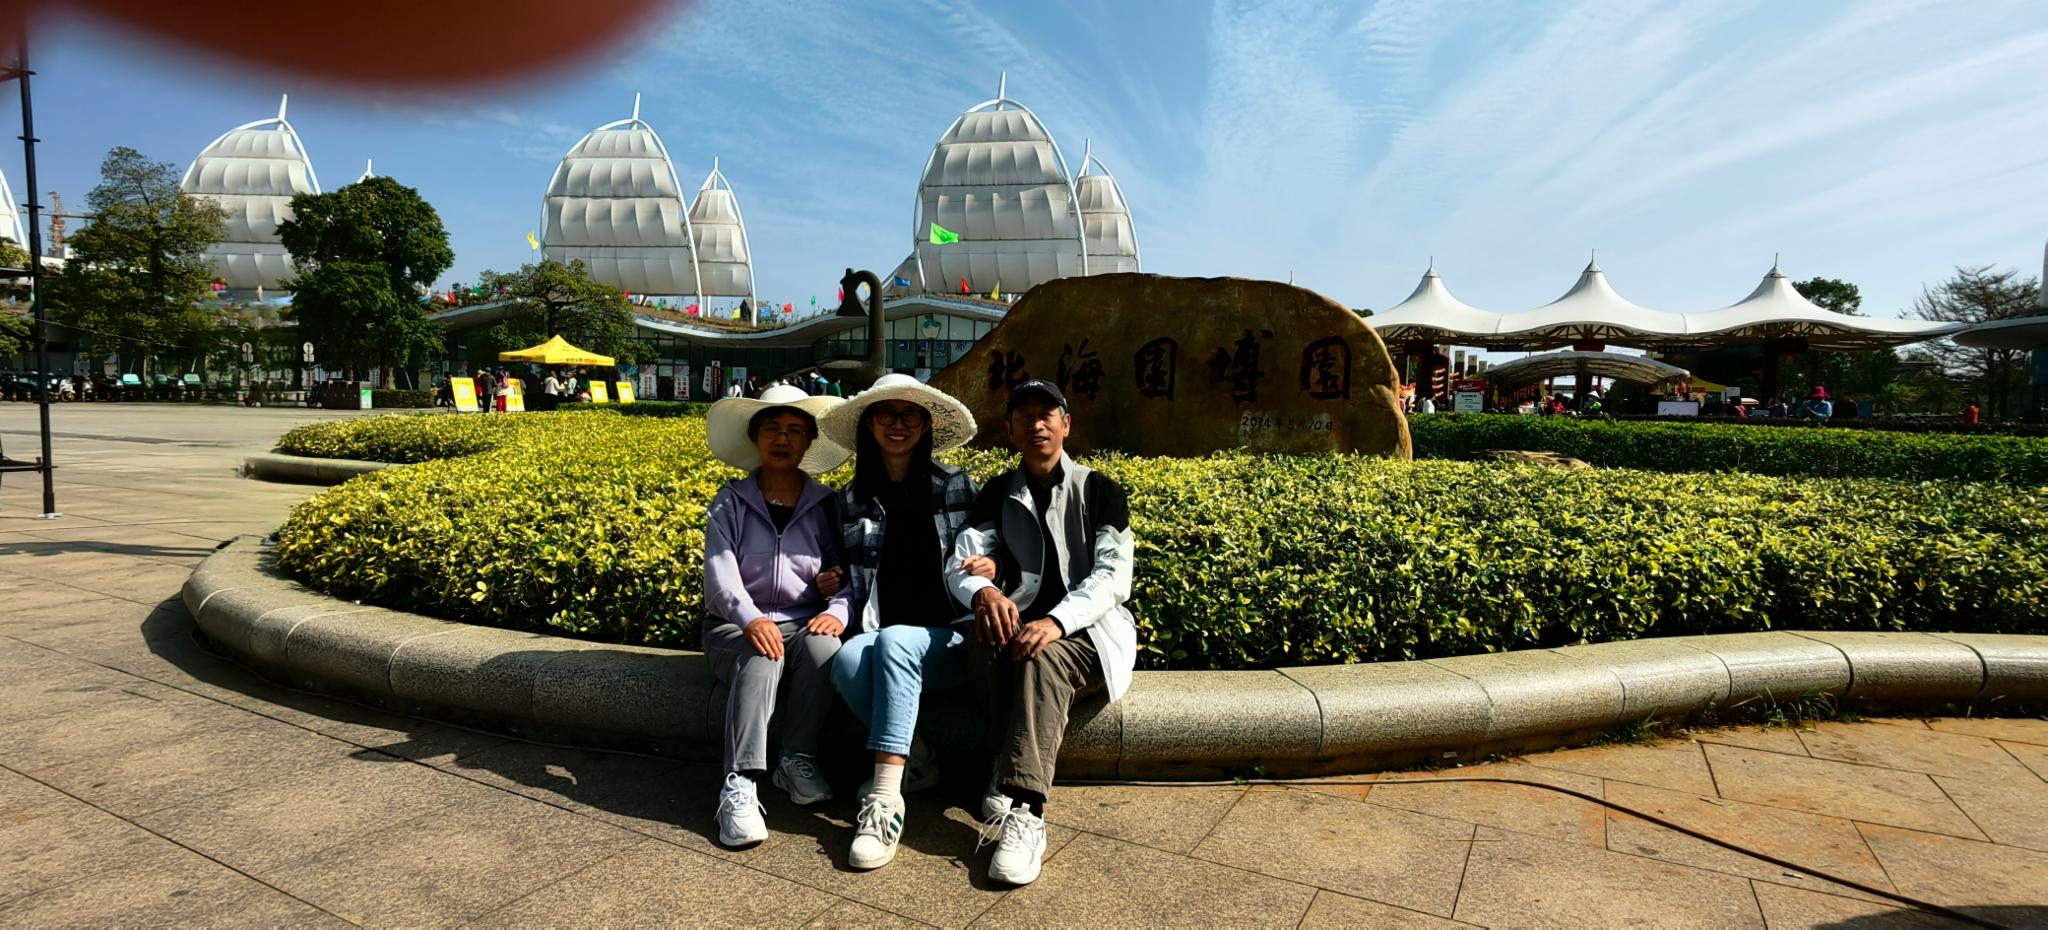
(942, 236)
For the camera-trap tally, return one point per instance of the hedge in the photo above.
(646, 408)
(1914, 424)
(400, 398)
(591, 525)
(1668, 446)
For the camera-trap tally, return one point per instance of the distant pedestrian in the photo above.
(1970, 414)
(486, 390)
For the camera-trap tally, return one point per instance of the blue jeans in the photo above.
(882, 673)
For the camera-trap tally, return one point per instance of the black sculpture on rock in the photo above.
(875, 366)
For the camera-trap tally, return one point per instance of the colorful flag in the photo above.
(996, 293)
(531, 241)
(943, 236)
(842, 295)
(789, 308)
(900, 281)
(693, 309)
(814, 300)
(963, 285)
(736, 313)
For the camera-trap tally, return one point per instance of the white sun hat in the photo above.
(725, 429)
(952, 423)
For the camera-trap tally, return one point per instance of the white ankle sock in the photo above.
(888, 780)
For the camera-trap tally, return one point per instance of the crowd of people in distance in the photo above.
(813, 383)
(1818, 405)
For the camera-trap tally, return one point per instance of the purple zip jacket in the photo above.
(751, 571)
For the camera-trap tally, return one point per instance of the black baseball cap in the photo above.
(1036, 389)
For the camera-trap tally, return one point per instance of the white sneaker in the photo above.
(875, 832)
(1021, 846)
(920, 771)
(994, 802)
(739, 813)
(799, 776)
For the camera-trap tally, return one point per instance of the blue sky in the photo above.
(1346, 144)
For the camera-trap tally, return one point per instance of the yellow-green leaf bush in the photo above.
(1661, 445)
(591, 525)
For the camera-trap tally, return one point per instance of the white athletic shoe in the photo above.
(875, 832)
(739, 814)
(1018, 851)
(994, 802)
(920, 772)
(798, 775)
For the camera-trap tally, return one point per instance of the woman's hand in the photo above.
(831, 580)
(765, 637)
(980, 565)
(826, 625)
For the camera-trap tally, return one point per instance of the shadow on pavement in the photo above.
(39, 549)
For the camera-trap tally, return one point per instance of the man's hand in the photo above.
(995, 617)
(1034, 637)
(826, 625)
(831, 580)
(765, 637)
(979, 565)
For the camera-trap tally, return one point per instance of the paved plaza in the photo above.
(144, 781)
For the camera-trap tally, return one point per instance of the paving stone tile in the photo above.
(1515, 880)
(1767, 739)
(48, 839)
(1798, 908)
(1915, 750)
(1366, 850)
(1173, 819)
(63, 691)
(675, 804)
(1676, 764)
(1102, 882)
(1829, 844)
(1977, 878)
(1333, 911)
(572, 778)
(655, 884)
(171, 772)
(1837, 789)
(1521, 808)
(937, 851)
(452, 865)
(2033, 757)
(1910, 723)
(2031, 730)
(110, 728)
(2011, 812)
(263, 826)
(853, 915)
(174, 889)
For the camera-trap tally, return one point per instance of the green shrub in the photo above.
(647, 408)
(400, 398)
(1671, 447)
(591, 525)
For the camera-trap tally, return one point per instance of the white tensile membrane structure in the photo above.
(616, 204)
(1593, 312)
(1105, 217)
(10, 219)
(1613, 366)
(725, 262)
(998, 180)
(252, 171)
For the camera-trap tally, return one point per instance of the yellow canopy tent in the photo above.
(555, 351)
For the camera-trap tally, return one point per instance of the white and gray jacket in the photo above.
(1089, 520)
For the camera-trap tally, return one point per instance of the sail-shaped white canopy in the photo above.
(10, 218)
(616, 204)
(252, 171)
(1105, 216)
(1593, 312)
(1635, 369)
(720, 232)
(998, 180)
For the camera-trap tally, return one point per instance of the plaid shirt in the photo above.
(862, 526)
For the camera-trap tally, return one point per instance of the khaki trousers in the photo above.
(1027, 703)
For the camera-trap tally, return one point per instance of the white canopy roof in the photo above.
(1635, 369)
(252, 171)
(720, 233)
(998, 180)
(10, 219)
(1593, 311)
(615, 203)
(1106, 217)
(2025, 334)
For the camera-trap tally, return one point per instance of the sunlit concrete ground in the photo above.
(143, 781)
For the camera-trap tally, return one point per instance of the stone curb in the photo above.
(1292, 721)
(299, 469)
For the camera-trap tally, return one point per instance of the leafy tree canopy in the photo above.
(559, 299)
(365, 254)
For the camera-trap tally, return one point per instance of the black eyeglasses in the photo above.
(908, 416)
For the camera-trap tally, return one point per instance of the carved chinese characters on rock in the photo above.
(1272, 367)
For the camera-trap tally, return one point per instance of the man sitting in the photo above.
(1059, 533)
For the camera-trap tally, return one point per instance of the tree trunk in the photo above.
(384, 373)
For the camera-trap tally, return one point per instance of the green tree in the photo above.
(1975, 295)
(17, 335)
(364, 253)
(1861, 373)
(12, 255)
(138, 275)
(557, 299)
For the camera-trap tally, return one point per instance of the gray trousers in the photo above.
(1027, 703)
(753, 679)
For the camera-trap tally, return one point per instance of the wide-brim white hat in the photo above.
(725, 429)
(952, 423)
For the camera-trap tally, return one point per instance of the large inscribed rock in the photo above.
(1153, 365)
